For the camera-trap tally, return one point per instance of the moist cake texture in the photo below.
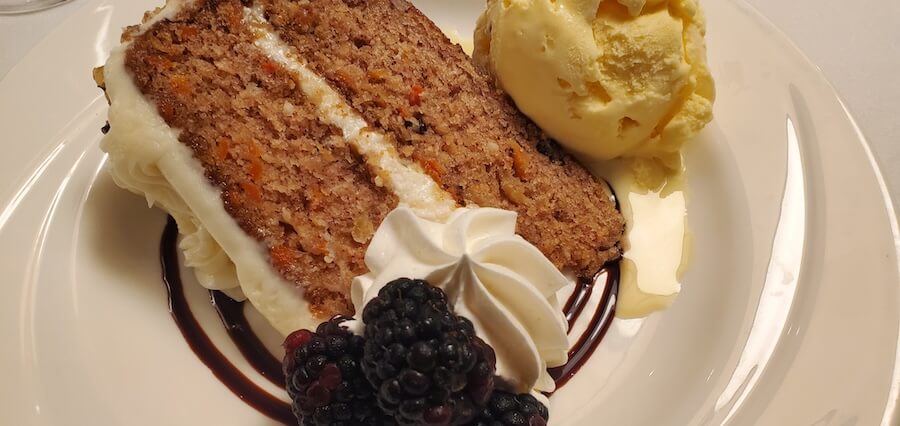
(308, 186)
(403, 75)
(289, 180)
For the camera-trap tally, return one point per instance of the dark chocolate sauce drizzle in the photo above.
(204, 348)
(597, 327)
(258, 356)
(256, 353)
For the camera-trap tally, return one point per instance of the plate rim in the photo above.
(892, 409)
(891, 412)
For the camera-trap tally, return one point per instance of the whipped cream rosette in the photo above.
(491, 276)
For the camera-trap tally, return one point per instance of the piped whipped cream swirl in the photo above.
(491, 276)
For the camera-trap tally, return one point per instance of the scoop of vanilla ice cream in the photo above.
(605, 78)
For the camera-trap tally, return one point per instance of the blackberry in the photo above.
(506, 408)
(324, 379)
(425, 362)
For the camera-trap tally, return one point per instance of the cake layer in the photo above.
(290, 180)
(412, 186)
(399, 71)
(309, 121)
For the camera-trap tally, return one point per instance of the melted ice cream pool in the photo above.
(653, 201)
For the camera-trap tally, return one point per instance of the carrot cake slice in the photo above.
(279, 133)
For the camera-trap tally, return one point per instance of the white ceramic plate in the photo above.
(789, 314)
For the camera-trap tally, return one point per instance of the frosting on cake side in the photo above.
(146, 157)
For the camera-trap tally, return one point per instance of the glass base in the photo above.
(12, 7)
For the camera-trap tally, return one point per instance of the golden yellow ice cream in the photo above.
(605, 78)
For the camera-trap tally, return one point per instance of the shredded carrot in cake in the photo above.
(252, 191)
(181, 85)
(415, 95)
(187, 31)
(520, 161)
(269, 67)
(256, 169)
(433, 169)
(378, 75)
(346, 77)
(256, 164)
(281, 256)
(159, 61)
(222, 149)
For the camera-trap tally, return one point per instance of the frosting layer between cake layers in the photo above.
(146, 157)
(202, 161)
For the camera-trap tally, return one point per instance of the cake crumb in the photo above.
(363, 229)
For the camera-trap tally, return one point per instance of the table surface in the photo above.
(855, 44)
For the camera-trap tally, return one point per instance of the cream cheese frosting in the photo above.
(133, 168)
(491, 276)
(146, 157)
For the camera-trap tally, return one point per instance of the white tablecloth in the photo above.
(856, 44)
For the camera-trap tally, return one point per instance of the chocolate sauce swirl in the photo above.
(597, 327)
(258, 356)
(206, 350)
